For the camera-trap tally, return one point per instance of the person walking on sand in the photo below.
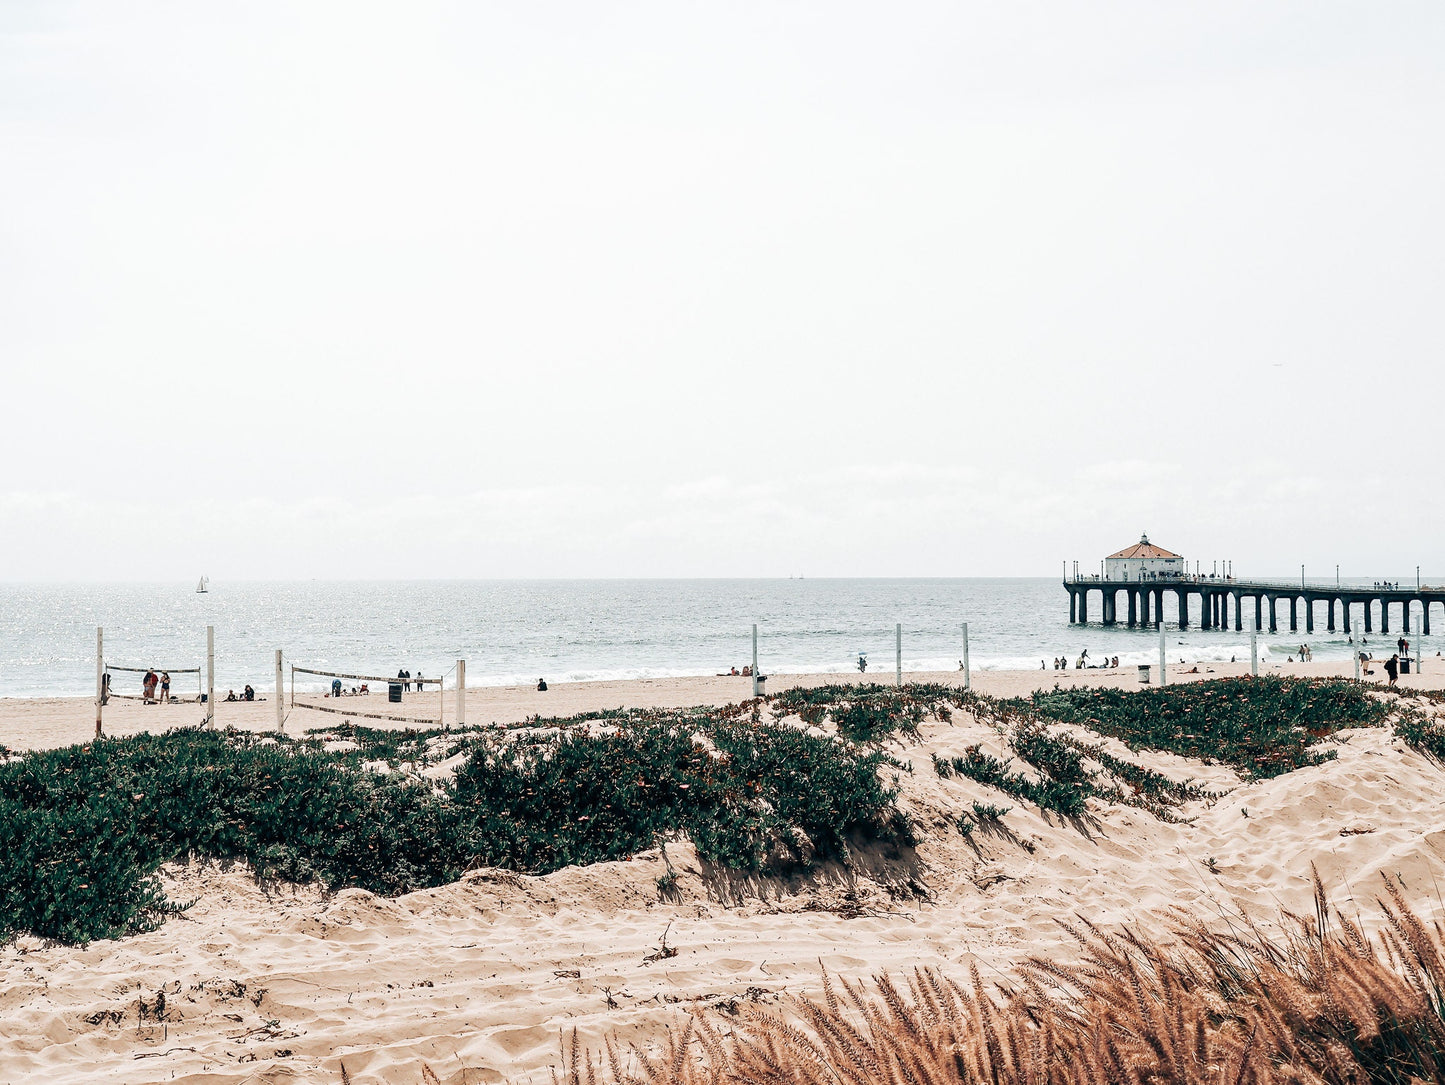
(1392, 668)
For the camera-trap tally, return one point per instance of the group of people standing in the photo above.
(1061, 663)
(149, 686)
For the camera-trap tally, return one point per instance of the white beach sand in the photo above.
(480, 978)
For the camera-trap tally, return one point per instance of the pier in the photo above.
(1222, 599)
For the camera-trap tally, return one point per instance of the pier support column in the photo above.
(1133, 607)
(1273, 616)
(1330, 616)
(1073, 608)
(1158, 608)
(1405, 616)
(1384, 615)
(1369, 618)
(1203, 610)
(1259, 613)
(1309, 616)
(1238, 612)
(1084, 606)
(1183, 607)
(1425, 617)
(1110, 601)
(1293, 614)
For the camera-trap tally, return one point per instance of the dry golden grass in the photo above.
(1322, 1004)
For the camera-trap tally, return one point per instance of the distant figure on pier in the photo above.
(1392, 668)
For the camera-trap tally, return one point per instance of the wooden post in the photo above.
(1354, 652)
(293, 685)
(1254, 651)
(280, 707)
(755, 659)
(967, 680)
(898, 657)
(210, 676)
(461, 692)
(1163, 659)
(99, 676)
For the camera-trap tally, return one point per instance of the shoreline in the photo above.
(48, 722)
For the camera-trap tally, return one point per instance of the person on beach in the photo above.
(165, 686)
(336, 687)
(105, 688)
(1392, 668)
(148, 688)
(541, 685)
(249, 694)
(862, 664)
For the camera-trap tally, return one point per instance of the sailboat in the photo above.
(202, 586)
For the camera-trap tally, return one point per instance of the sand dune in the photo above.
(478, 979)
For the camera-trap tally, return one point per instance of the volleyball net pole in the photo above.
(280, 715)
(99, 676)
(461, 692)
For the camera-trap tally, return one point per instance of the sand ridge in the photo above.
(479, 979)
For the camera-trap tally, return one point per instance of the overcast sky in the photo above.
(603, 289)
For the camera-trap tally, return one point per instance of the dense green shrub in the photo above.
(1423, 733)
(1262, 727)
(867, 713)
(739, 791)
(83, 830)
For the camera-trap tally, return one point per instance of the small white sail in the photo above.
(202, 585)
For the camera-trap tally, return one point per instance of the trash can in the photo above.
(1404, 664)
(393, 692)
(1143, 674)
(761, 681)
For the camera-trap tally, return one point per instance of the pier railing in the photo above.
(1250, 583)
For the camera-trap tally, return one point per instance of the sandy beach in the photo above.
(42, 723)
(479, 979)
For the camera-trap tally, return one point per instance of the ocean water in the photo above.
(516, 631)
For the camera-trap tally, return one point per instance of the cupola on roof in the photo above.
(1144, 549)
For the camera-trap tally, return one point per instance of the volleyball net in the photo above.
(405, 698)
(150, 691)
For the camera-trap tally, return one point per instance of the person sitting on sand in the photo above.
(733, 672)
(1392, 668)
(363, 691)
(541, 685)
(249, 694)
(748, 671)
(230, 695)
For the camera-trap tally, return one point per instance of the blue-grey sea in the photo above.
(516, 631)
